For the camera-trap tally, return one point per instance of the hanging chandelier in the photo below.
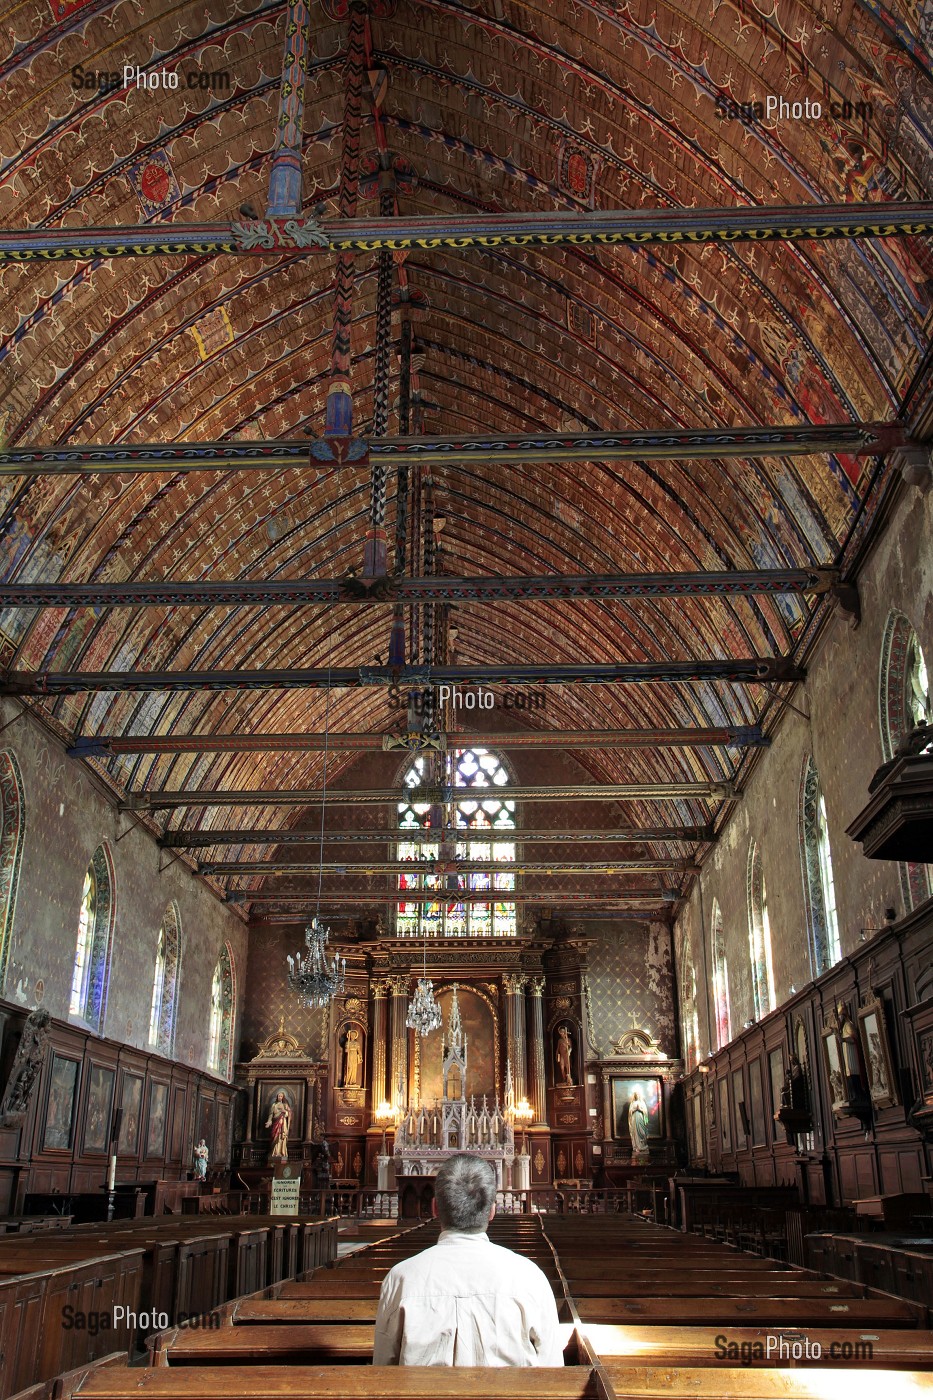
(315, 978)
(424, 1014)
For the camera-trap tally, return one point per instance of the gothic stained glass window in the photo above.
(689, 1014)
(158, 982)
(215, 1021)
(759, 936)
(720, 978)
(819, 884)
(82, 965)
(904, 703)
(482, 818)
(222, 1009)
(165, 983)
(91, 971)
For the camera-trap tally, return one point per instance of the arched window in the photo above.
(818, 883)
(689, 1016)
(720, 978)
(759, 936)
(223, 1007)
(12, 832)
(91, 973)
(904, 702)
(165, 983)
(484, 816)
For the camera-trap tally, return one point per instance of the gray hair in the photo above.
(465, 1191)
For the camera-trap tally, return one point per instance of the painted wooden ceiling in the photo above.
(497, 105)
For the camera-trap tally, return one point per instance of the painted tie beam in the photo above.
(271, 238)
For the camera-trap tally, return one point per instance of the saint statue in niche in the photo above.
(201, 1156)
(638, 1127)
(279, 1120)
(563, 1055)
(352, 1058)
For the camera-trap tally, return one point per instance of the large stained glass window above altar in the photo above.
(485, 816)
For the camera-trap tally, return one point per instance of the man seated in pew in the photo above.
(466, 1301)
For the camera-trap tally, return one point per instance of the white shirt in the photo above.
(467, 1302)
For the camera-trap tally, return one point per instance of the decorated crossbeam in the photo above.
(752, 441)
(375, 797)
(449, 867)
(274, 237)
(761, 669)
(351, 589)
(307, 899)
(291, 836)
(112, 745)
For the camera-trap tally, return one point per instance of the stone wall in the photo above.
(841, 698)
(66, 819)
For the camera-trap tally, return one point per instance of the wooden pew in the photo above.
(55, 1310)
(736, 1312)
(700, 1346)
(335, 1383)
(647, 1382)
(299, 1344)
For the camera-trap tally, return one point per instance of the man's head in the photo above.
(465, 1193)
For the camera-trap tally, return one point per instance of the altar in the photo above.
(426, 1137)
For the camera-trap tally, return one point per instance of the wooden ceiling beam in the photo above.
(751, 441)
(112, 745)
(273, 238)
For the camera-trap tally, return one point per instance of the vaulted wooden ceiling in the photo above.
(493, 106)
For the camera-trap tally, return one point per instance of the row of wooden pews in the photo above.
(72, 1297)
(642, 1292)
(645, 1311)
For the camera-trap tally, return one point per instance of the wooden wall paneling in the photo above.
(21, 1305)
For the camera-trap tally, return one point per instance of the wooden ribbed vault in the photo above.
(457, 112)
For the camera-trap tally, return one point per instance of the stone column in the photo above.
(537, 1091)
(380, 1044)
(514, 984)
(398, 986)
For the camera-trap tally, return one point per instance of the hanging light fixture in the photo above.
(424, 1014)
(316, 979)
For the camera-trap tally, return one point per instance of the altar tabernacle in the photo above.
(426, 1137)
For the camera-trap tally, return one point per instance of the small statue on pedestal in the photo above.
(201, 1158)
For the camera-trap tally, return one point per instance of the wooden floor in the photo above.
(645, 1311)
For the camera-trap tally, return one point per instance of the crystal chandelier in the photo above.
(316, 979)
(424, 1014)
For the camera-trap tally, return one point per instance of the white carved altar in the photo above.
(426, 1137)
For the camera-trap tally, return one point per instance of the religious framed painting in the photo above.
(832, 1059)
(178, 1122)
(60, 1103)
(756, 1104)
(776, 1076)
(155, 1123)
(741, 1113)
(131, 1100)
(697, 1134)
(98, 1108)
(725, 1125)
(206, 1120)
(625, 1088)
(280, 1119)
(876, 1049)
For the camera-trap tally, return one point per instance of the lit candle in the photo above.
(112, 1172)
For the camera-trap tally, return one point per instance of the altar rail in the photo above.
(368, 1204)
